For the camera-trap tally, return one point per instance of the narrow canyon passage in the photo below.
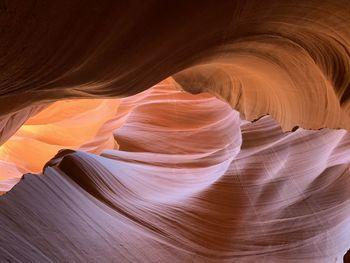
(162, 131)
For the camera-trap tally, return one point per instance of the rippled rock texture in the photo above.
(156, 131)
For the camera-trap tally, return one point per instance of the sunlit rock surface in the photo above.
(76, 124)
(132, 123)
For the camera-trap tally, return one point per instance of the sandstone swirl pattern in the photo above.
(132, 123)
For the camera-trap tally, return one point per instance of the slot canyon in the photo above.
(175, 131)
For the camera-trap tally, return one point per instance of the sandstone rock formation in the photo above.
(157, 131)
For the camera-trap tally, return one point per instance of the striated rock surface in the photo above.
(132, 124)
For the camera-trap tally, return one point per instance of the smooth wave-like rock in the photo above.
(183, 132)
(189, 181)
